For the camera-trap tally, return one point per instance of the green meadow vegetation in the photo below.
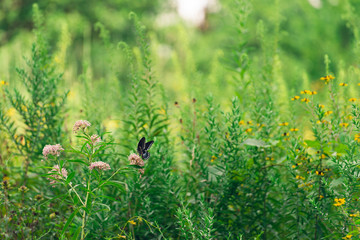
(254, 114)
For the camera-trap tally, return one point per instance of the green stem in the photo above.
(108, 179)
(72, 188)
(84, 214)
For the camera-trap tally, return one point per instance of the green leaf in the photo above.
(76, 234)
(119, 185)
(312, 144)
(70, 177)
(341, 148)
(49, 200)
(69, 221)
(336, 182)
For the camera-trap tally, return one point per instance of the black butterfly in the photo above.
(143, 148)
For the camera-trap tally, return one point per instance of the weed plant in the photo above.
(270, 163)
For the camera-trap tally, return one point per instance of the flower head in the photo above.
(328, 112)
(52, 150)
(95, 139)
(295, 98)
(352, 100)
(248, 130)
(339, 202)
(306, 100)
(305, 92)
(327, 78)
(81, 124)
(57, 174)
(136, 160)
(357, 137)
(349, 236)
(100, 165)
(23, 189)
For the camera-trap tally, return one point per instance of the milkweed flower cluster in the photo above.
(81, 124)
(57, 174)
(136, 160)
(52, 150)
(95, 139)
(100, 165)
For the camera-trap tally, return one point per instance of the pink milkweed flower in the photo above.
(57, 175)
(95, 139)
(52, 150)
(136, 160)
(81, 124)
(99, 165)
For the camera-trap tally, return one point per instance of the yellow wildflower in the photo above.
(132, 222)
(294, 129)
(320, 173)
(343, 124)
(357, 137)
(352, 99)
(241, 122)
(312, 93)
(2, 82)
(349, 236)
(295, 98)
(354, 215)
(285, 134)
(249, 130)
(283, 124)
(328, 113)
(296, 165)
(249, 122)
(213, 158)
(321, 106)
(305, 92)
(339, 202)
(343, 84)
(300, 177)
(306, 100)
(327, 78)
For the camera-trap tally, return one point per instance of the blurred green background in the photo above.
(190, 60)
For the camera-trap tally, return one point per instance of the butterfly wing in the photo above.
(145, 155)
(148, 145)
(141, 146)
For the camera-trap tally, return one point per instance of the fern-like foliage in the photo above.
(40, 108)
